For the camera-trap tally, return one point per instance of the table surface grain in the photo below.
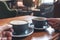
(35, 34)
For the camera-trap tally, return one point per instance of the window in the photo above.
(48, 1)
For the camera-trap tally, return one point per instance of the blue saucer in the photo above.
(24, 34)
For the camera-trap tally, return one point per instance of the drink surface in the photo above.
(18, 22)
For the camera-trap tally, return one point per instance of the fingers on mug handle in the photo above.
(51, 21)
(6, 35)
(11, 30)
(9, 35)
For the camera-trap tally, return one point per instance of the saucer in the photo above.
(27, 33)
(41, 28)
(38, 28)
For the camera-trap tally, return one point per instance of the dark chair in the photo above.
(46, 10)
(5, 11)
(57, 9)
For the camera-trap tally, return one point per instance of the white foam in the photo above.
(40, 18)
(18, 22)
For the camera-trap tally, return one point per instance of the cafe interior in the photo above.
(29, 19)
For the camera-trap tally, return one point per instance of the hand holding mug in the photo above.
(54, 22)
(6, 32)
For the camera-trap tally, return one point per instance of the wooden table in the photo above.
(39, 34)
(35, 34)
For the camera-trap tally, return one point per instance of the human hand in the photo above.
(6, 32)
(54, 22)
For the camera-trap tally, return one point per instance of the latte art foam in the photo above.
(18, 22)
(39, 19)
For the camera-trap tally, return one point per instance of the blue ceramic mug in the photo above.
(19, 27)
(40, 22)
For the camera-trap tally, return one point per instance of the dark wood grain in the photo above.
(35, 34)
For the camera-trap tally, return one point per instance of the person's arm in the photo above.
(54, 22)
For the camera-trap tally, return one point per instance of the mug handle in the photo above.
(46, 24)
(30, 25)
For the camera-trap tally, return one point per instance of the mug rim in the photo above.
(37, 19)
(11, 22)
